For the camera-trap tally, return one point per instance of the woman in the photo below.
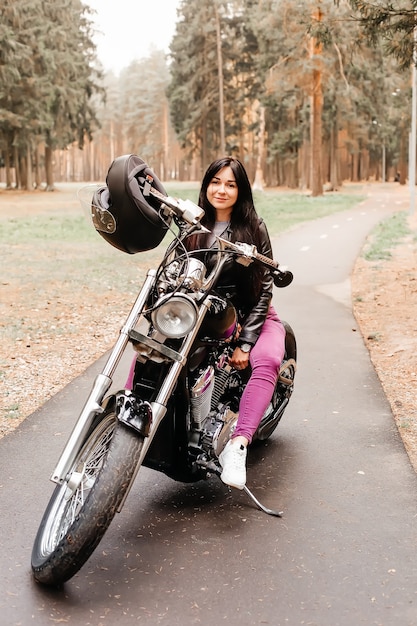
(226, 198)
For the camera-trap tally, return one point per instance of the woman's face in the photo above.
(222, 193)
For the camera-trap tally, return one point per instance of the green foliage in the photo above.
(194, 72)
(134, 116)
(46, 78)
(386, 236)
(267, 60)
(358, 81)
(49, 91)
(390, 22)
(142, 106)
(194, 92)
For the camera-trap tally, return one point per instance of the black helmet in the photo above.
(120, 211)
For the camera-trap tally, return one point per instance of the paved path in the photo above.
(345, 552)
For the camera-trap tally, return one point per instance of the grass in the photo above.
(60, 278)
(54, 252)
(282, 210)
(50, 248)
(45, 228)
(386, 236)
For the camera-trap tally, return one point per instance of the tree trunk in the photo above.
(334, 161)
(402, 163)
(204, 158)
(38, 179)
(49, 169)
(316, 109)
(221, 88)
(355, 166)
(305, 169)
(17, 168)
(165, 142)
(259, 177)
(112, 149)
(29, 172)
(7, 165)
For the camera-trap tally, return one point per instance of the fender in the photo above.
(133, 412)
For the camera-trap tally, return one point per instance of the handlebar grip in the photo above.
(281, 279)
(266, 260)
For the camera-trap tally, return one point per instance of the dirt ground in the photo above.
(33, 367)
(384, 300)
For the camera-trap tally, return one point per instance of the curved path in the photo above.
(345, 552)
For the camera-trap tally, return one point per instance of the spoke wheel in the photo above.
(82, 508)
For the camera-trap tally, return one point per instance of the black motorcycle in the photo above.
(183, 404)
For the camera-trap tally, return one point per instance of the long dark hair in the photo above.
(244, 221)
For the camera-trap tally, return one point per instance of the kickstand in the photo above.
(215, 469)
(261, 506)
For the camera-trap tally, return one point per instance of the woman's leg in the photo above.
(131, 375)
(265, 359)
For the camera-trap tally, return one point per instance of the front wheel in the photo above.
(82, 508)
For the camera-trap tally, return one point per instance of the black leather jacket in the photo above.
(229, 285)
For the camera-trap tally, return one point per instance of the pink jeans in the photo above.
(265, 359)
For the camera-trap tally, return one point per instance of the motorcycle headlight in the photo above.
(175, 317)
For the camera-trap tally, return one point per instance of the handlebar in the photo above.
(192, 214)
(183, 209)
(282, 278)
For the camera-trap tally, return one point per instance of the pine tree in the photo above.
(393, 23)
(45, 80)
(205, 98)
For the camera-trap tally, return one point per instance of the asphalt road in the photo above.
(345, 552)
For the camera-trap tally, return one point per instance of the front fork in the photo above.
(165, 392)
(101, 386)
(103, 381)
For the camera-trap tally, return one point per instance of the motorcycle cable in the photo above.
(166, 262)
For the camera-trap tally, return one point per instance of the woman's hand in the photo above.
(239, 359)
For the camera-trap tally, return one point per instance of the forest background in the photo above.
(302, 91)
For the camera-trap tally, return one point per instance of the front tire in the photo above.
(82, 508)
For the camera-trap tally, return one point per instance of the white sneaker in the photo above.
(233, 461)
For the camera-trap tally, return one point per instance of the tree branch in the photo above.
(339, 54)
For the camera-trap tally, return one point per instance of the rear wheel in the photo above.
(82, 508)
(279, 401)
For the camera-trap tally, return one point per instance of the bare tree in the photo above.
(316, 109)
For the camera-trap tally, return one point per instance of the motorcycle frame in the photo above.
(93, 406)
(103, 381)
(101, 385)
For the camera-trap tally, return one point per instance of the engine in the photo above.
(214, 400)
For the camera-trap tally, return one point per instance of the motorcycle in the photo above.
(181, 407)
